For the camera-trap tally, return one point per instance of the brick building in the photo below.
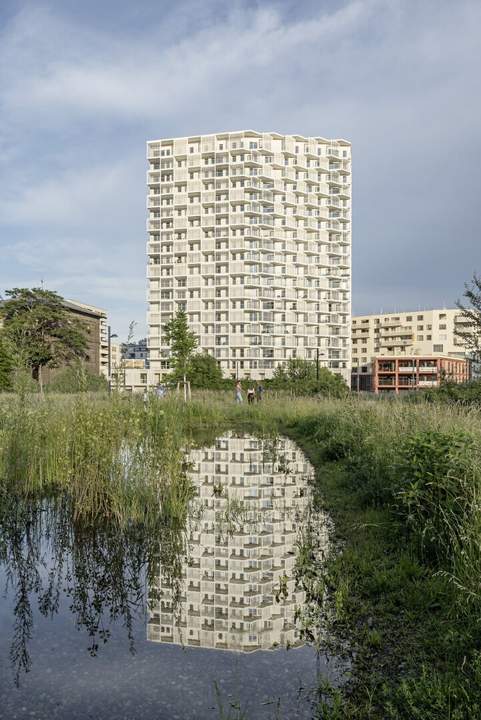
(404, 374)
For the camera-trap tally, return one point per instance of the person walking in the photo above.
(259, 392)
(238, 392)
(251, 394)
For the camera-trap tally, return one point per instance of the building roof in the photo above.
(253, 133)
(85, 309)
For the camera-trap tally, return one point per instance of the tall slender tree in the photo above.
(470, 332)
(182, 343)
(41, 329)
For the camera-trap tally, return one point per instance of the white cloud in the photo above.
(77, 103)
(144, 77)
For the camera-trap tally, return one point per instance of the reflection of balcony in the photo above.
(241, 562)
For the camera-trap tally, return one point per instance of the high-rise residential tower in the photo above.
(250, 234)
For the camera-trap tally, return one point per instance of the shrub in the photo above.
(76, 379)
(449, 392)
(300, 377)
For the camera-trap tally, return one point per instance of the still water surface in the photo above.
(197, 622)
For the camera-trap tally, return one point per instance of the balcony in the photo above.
(386, 367)
(386, 381)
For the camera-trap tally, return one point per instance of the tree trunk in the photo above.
(40, 379)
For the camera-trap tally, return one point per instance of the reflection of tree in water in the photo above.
(101, 568)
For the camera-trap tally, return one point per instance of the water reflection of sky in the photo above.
(68, 590)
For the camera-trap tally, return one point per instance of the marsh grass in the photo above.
(118, 459)
(402, 482)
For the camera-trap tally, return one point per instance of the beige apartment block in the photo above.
(237, 586)
(415, 332)
(250, 234)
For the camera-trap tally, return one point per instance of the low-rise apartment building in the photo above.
(417, 333)
(137, 351)
(398, 375)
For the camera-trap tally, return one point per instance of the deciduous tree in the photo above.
(204, 372)
(40, 328)
(470, 333)
(182, 343)
(300, 377)
(6, 365)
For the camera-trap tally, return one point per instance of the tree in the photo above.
(204, 372)
(41, 329)
(6, 366)
(182, 343)
(471, 315)
(300, 377)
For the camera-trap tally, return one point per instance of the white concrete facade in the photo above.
(250, 233)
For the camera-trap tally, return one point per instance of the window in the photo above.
(420, 317)
(438, 348)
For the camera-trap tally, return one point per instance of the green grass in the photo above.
(401, 481)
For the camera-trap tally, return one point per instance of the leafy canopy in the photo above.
(470, 333)
(205, 373)
(182, 343)
(300, 377)
(43, 332)
(6, 365)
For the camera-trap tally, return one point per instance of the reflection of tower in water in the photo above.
(238, 590)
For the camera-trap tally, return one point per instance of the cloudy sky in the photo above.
(84, 84)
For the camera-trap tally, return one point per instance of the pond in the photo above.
(203, 621)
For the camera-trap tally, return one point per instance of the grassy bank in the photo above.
(401, 481)
(403, 485)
